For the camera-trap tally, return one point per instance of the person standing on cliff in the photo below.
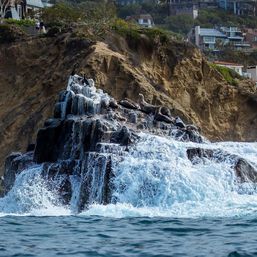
(42, 28)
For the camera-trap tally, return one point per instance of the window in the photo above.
(19, 11)
(209, 39)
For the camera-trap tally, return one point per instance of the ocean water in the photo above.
(135, 236)
(164, 206)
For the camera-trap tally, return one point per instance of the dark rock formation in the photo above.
(88, 134)
(14, 164)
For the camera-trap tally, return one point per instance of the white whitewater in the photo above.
(155, 178)
(30, 196)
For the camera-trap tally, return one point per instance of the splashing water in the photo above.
(30, 196)
(155, 178)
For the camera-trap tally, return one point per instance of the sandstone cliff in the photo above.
(34, 71)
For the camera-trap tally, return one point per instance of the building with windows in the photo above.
(178, 7)
(209, 38)
(239, 7)
(217, 38)
(26, 8)
(144, 20)
(252, 71)
(127, 2)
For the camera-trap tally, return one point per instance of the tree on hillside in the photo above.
(4, 4)
(179, 24)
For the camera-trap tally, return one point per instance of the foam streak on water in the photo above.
(155, 178)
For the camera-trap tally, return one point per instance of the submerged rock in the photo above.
(243, 169)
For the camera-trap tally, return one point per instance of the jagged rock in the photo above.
(113, 104)
(127, 103)
(122, 136)
(133, 117)
(243, 169)
(60, 172)
(161, 113)
(179, 123)
(88, 129)
(47, 139)
(30, 147)
(58, 110)
(14, 164)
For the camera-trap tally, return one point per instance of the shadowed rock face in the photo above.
(88, 134)
(243, 169)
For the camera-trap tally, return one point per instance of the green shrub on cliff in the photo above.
(133, 31)
(23, 22)
(126, 28)
(229, 75)
(61, 14)
(95, 17)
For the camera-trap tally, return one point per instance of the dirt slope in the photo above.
(32, 73)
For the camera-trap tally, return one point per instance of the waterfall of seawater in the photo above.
(154, 178)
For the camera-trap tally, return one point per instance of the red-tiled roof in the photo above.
(228, 63)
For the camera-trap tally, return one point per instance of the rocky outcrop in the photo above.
(175, 75)
(88, 134)
(244, 171)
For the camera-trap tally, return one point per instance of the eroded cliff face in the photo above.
(34, 71)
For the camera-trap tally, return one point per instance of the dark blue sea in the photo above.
(101, 236)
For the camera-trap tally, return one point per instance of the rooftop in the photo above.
(228, 63)
(35, 3)
(211, 32)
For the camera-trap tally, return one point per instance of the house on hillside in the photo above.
(235, 37)
(144, 20)
(216, 38)
(178, 7)
(128, 2)
(239, 7)
(25, 8)
(238, 68)
(252, 70)
(206, 38)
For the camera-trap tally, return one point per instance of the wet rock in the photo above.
(243, 169)
(113, 104)
(58, 110)
(133, 117)
(78, 145)
(30, 147)
(127, 103)
(179, 123)
(15, 164)
(122, 136)
(47, 139)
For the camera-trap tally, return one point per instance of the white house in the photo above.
(252, 70)
(144, 20)
(26, 8)
(208, 38)
(233, 66)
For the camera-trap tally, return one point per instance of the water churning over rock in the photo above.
(97, 151)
